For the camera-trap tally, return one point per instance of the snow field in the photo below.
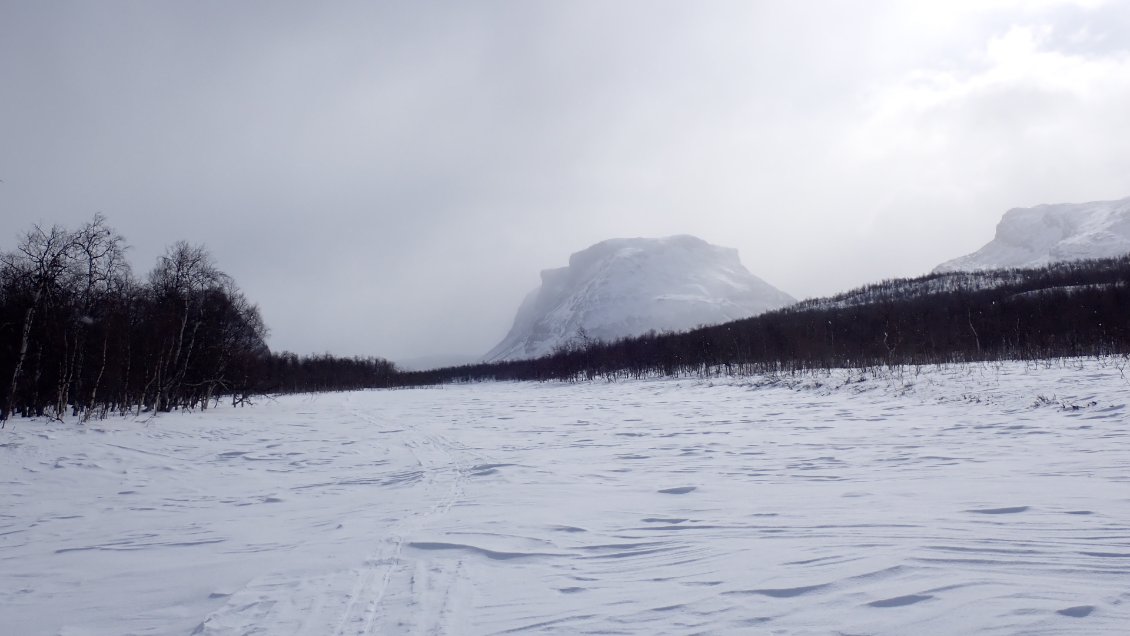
(991, 499)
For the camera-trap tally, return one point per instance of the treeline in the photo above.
(81, 335)
(289, 373)
(1080, 308)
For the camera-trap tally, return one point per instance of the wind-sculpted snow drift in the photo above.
(1031, 237)
(627, 287)
(981, 499)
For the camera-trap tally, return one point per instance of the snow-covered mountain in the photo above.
(1030, 237)
(627, 287)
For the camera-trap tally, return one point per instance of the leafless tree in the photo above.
(39, 265)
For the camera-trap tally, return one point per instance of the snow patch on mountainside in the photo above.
(627, 287)
(1031, 237)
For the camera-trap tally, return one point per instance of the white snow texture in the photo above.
(985, 499)
(627, 287)
(1031, 237)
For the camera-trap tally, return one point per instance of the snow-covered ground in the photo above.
(981, 500)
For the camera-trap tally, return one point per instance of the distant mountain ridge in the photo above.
(1031, 237)
(1058, 310)
(436, 361)
(627, 287)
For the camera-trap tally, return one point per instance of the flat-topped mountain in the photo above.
(627, 287)
(1030, 237)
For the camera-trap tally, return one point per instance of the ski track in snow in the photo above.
(991, 499)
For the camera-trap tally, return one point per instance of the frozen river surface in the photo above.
(983, 500)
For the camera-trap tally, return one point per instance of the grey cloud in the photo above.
(389, 178)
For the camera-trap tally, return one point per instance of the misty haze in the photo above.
(725, 317)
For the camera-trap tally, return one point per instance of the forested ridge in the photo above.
(1078, 308)
(81, 335)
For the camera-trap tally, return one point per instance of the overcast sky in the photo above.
(389, 178)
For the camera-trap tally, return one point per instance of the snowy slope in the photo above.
(627, 287)
(1029, 237)
(985, 499)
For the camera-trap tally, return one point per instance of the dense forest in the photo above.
(1080, 308)
(80, 334)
